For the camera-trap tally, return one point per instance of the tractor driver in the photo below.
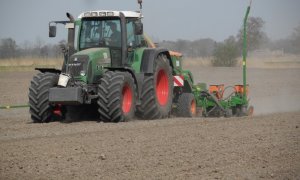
(115, 36)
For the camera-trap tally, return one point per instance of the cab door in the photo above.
(133, 41)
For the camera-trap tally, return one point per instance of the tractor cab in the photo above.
(105, 39)
(103, 29)
(120, 32)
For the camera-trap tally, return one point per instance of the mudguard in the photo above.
(149, 57)
(50, 70)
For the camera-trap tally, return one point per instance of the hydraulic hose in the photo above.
(229, 94)
(214, 98)
(14, 106)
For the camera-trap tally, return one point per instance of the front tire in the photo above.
(117, 97)
(39, 107)
(157, 91)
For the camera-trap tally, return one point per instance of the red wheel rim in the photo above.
(127, 99)
(162, 88)
(193, 107)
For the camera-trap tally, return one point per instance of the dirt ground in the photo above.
(265, 146)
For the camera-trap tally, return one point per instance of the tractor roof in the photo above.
(108, 13)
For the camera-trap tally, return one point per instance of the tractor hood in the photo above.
(87, 65)
(102, 54)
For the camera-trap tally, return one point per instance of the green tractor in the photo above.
(113, 70)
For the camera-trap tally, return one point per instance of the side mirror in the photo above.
(52, 30)
(138, 28)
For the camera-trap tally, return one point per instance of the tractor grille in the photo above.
(77, 64)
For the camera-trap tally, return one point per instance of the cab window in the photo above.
(132, 39)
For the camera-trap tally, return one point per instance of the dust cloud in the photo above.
(282, 102)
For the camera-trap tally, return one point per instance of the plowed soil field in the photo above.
(265, 146)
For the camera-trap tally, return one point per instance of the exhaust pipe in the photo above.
(71, 36)
(70, 16)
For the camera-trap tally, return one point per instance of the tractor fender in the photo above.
(50, 70)
(149, 56)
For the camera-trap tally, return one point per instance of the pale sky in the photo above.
(163, 19)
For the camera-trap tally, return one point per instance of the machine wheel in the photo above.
(117, 97)
(228, 113)
(40, 109)
(157, 91)
(186, 106)
(240, 111)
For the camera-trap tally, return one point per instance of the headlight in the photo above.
(87, 14)
(110, 13)
(82, 73)
(102, 14)
(94, 14)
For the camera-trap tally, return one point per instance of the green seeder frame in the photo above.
(237, 103)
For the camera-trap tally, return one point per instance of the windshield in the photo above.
(100, 33)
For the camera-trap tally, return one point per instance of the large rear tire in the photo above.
(39, 107)
(157, 91)
(117, 97)
(186, 106)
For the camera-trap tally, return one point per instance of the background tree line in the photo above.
(223, 53)
(10, 49)
(226, 53)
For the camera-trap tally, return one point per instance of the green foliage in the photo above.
(295, 39)
(226, 53)
(255, 34)
(8, 48)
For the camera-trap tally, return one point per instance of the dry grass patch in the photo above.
(29, 63)
(276, 62)
(192, 62)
